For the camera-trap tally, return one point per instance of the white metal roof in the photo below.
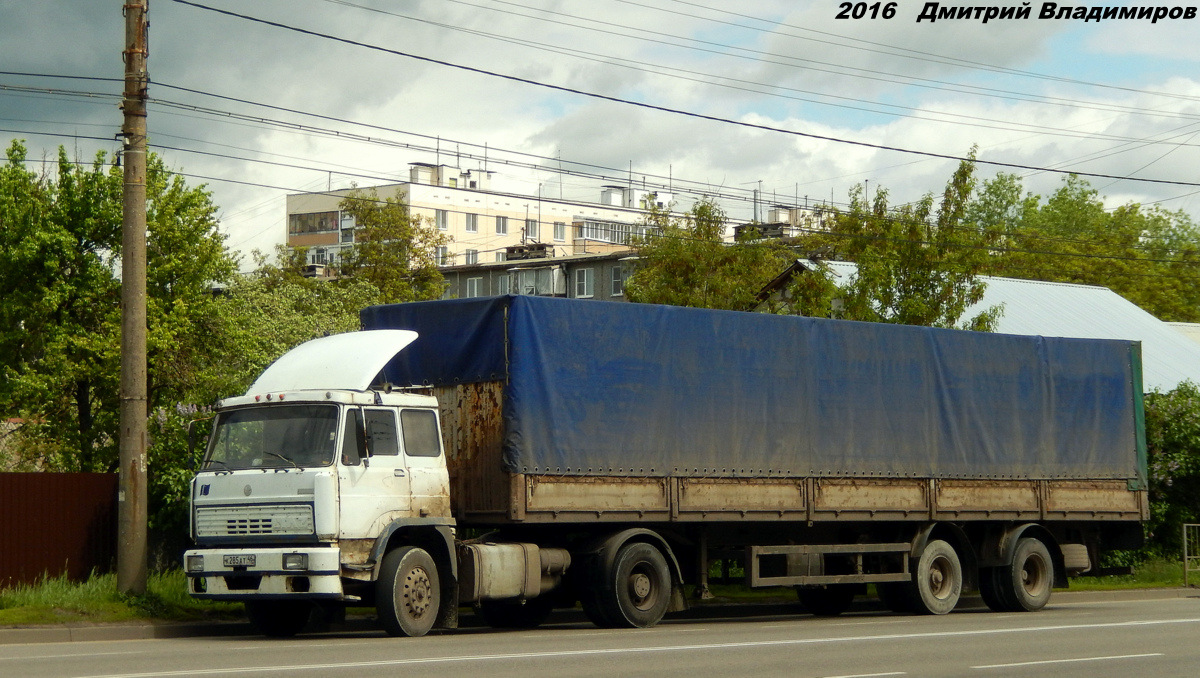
(347, 361)
(1065, 310)
(1189, 330)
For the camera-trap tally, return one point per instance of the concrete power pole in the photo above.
(132, 505)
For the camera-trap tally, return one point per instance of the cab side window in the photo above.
(421, 437)
(381, 433)
(353, 447)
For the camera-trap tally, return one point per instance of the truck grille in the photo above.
(254, 520)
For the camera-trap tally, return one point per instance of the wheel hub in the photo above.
(640, 585)
(417, 592)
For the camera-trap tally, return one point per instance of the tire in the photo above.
(897, 596)
(1026, 584)
(826, 601)
(637, 588)
(990, 589)
(408, 593)
(939, 579)
(279, 618)
(508, 614)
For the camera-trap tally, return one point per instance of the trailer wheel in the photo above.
(509, 614)
(939, 578)
(826, 601)
(989, 589)
(640, 582)
(408, 593)
(279, 618)
(1025, 585)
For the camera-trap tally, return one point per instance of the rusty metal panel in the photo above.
(871, 495)
(1091, 497)
(473, 430)
(710, 495)
(603, 495)
(987, 495)
(56, 523)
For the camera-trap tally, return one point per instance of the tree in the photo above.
(685, 261)
(394, 250)
(1173, 442)
(60, 324)
(1150, 256)
(916, 265)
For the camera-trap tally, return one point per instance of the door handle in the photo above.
(399, 473)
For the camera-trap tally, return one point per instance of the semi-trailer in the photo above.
(520, 453)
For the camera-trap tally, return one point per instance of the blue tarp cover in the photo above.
(605, 388)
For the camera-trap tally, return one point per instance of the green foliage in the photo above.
(917, 265)
(685, 262)
(1173, 443)
(1150, 256)
(393, 250)
(60, 246)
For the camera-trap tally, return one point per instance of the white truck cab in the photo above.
(306, 476)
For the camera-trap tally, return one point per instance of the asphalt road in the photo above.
(1143, 638)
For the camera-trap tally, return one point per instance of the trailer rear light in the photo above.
(195, 563)
(295, 561)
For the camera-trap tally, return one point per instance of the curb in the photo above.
(94, 633)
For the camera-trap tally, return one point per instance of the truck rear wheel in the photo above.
(938, 578)
(408, 593)
(637, 587)
(826, 601)
(508, 614)
(279, 618)
(1025, 585)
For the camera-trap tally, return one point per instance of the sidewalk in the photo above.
(108, 632)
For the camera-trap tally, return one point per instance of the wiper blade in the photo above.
(276, 454)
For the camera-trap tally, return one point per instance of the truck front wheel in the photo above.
(408, 593)
(939, 578)
(641, 587)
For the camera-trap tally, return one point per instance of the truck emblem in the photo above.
(246, 490)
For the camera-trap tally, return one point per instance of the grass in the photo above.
(1150, 574)
(96, 601)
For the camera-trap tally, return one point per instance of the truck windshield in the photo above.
(272, 437)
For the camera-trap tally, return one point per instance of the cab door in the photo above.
(373, 480)
(430, 480)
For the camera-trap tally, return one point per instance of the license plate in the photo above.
(238, 561)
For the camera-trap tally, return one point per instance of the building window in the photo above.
(472, 257)
(501, 225)
(472, 223)
(316, 222)
(442, 218)
(503, 284)
(560, 231)
(618, 281)
(473, 285)
(442, 256)
(583, 283)
(500, 256)
(531, 229)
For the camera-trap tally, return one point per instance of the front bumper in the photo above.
(209, 576)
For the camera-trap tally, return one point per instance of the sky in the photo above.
(774, 98)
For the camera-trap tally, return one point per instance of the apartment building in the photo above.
(482, 223)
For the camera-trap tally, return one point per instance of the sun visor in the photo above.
(349, 361)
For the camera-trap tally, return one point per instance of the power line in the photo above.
(664, 109)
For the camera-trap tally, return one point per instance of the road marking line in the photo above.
(636, 650)
(67, 656)
(872, 675)
(1068, 661)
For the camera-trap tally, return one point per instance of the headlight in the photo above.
(295, 561)
(195, 563)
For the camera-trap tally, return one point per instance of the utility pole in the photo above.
(132, 504)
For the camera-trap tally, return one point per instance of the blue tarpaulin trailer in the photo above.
(595, 388)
